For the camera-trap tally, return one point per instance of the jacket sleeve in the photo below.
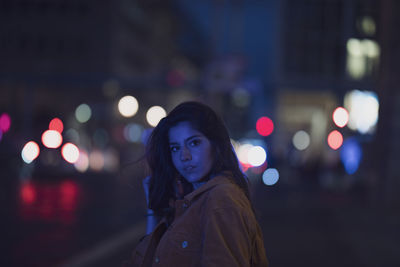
(226, 239)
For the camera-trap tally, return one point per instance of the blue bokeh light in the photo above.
(350, 155)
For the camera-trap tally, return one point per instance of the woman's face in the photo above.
(191, 152)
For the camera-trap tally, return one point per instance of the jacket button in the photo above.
(157, 260)
(184, 244)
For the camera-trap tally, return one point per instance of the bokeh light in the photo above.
(264, 126)
(350, 155)
(57, 125)
(128, 106)
(30, 152)
(340, 117)
(335, 139)
(82, 164)
(5, 122)
(70, 152)
(72, 135)
(363, 107)
(368, 25)
(133, 132)
(175, 78)
(83, 113)
(155, 114)
(362, 57)
(69, 195)
(145, 135)
(259, 169)
(28, 193)
(270, 176)
(51, 139)
(243, 152)
(241, 97)
(101, 137)
(257, 156)
(96, 160)
(111, 160)
(301, 140)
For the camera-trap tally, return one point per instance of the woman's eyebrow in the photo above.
(187, 139)
(193, 136)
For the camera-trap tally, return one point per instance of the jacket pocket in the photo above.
(184, 249)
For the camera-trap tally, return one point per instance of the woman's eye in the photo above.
(195, 142)
(173, 148)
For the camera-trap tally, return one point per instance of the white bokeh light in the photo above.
(243, 153)
(363, 107)
(301, 140)
(70, 152)
(96, 160)
(82, 164)
(51, 139)
(256, 156)
(128, 106)
(340, 117)
(30, 152)
(155, 114)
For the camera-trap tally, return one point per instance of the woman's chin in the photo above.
(193, 178)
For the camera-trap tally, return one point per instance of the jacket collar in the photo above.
(222, 178)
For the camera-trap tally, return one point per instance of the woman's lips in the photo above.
(189, 168)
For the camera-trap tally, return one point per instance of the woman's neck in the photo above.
(198, 184)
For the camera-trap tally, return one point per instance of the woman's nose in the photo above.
(185, 154)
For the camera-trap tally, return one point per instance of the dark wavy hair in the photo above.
(162, 170)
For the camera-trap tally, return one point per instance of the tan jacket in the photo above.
(213, 226)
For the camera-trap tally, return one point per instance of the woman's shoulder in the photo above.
(226, 194)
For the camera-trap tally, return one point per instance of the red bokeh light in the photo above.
(57, 125)
(245, 166)
(28, 194)
(335, 139)
(260, 169)
(52, 202)
(264, 126)
(69, 195)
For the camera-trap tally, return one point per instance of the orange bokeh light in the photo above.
(335, 139)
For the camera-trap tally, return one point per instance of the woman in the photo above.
(199, 209)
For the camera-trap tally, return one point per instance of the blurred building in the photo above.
(59, 54)
(87, 40)
(387, 145)
(338, 46)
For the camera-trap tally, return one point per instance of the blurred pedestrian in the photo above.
(199, 209)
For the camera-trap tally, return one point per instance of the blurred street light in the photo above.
(128, 106)
(83, 113)
(51, 139)
(30, 152)
(155, 114)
